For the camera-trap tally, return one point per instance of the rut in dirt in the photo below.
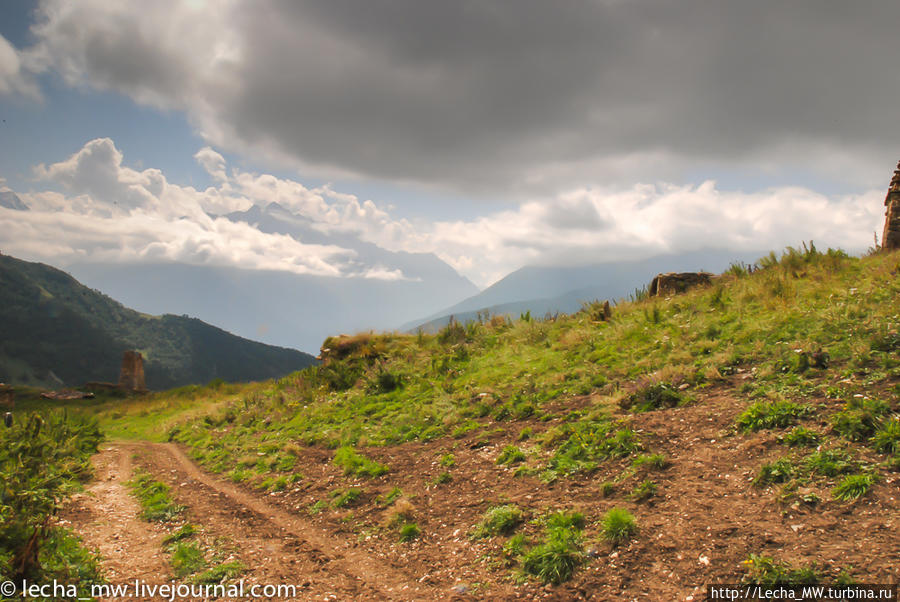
(275, 546)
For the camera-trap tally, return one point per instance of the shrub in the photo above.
(618, 525)
(354, 463)
(498, 520)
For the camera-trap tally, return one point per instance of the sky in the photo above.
(495, 134)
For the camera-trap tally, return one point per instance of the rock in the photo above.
(890, 239)
(131, 378)
(673, 283)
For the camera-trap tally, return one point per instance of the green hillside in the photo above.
(743, 432)
(52, 326)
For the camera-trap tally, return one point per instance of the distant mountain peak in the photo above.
(11, 200)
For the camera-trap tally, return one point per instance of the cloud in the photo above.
(107, 211)
(482, 95)
(111, 213)
(14, 77)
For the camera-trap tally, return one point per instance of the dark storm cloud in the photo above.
(501, 95)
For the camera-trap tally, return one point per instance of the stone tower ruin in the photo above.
(131, 378)
(891, 238)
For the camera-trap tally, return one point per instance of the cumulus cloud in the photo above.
(481, 94)
(110, 212)
(107, 211)
(15, 78)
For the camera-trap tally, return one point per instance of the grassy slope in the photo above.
(817, 331)
(49, 321)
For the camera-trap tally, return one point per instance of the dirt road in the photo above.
(275, 546)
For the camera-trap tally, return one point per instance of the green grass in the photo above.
(345, 497)
(854, 486)
(153, 495)
(560, 552)
(764, 570)
(220, 573)
(409, 532)
(498, 520)
(801, 437)
(779, 471)
(887, 438)
(510, 455)
(830, 463)
(653, 461)
(769, 415)
(187, 558)
(654, 397)
(356, 464)
(643, 491)
(618, 525)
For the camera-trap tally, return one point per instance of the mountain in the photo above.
(53, 328)
(283, 308)
(542, 289)
(11, 200)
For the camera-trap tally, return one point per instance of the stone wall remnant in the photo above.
(891, 238)
(673, 283)
(131, 378)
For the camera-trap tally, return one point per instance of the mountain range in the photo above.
(55, 331)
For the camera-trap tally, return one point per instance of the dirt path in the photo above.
(275, 546)
(107, 517)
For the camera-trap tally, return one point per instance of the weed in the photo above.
(652, 397)
(390, 497)
(355, 463)
(860, 418)
(618, 525)
(830, 463)
(801, 437)
(498, 520)
(763, 570)
(187, 558)
(447, 460)
(779, 471)
(555, 559)
(887, 438)
(444, 477)
(220, 573)
(511, 455)
(775, 414)
(154, 498)
(854, 486)
(654, 461)
(183, 532)
(645, 490)
(344, 497)
(515, 545)
(607, 489)
(409, 532)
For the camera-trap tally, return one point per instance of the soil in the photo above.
(704, 521)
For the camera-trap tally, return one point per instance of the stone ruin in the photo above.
(131, 377)
(673, 283)
(891, 238)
